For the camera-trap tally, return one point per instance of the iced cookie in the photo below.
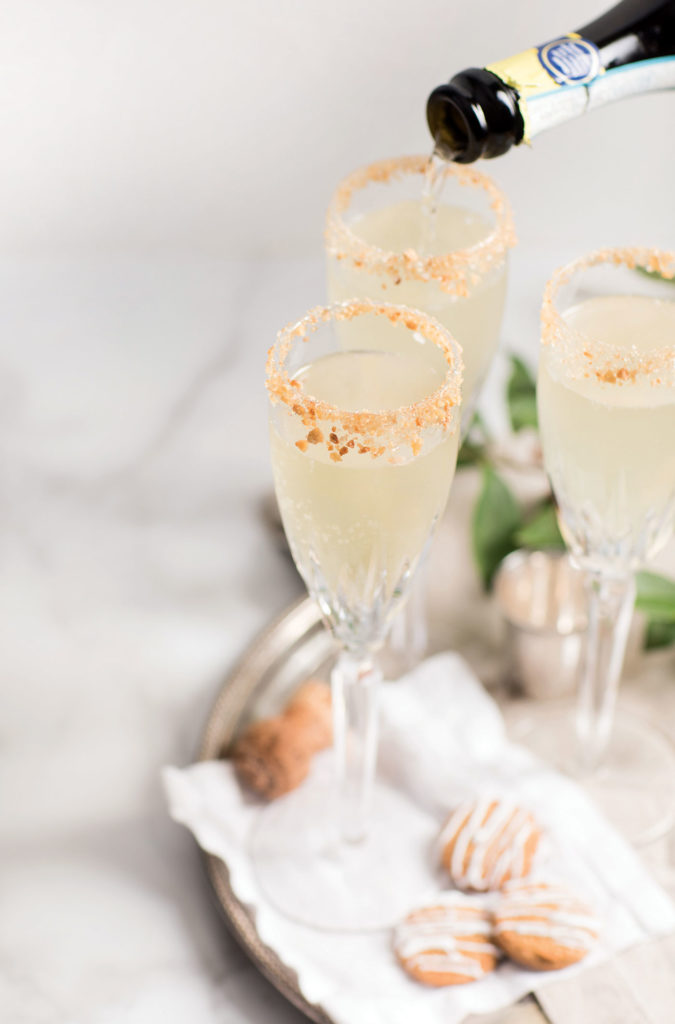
(447, 942)
(487, 842)
(544, 926)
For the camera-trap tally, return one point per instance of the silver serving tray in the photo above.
(293, 647)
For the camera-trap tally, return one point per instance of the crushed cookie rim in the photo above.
(375, 430)
(607, 363)
(455, 271)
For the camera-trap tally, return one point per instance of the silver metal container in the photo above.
(542, 599)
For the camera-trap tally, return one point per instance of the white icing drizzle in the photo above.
(446, 938)
(527, 911)
(497, 832)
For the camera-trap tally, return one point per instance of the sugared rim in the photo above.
(343, 431)
(586, 357)
(455, 272)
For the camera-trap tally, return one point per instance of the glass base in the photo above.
(313, 878)
(634, 787)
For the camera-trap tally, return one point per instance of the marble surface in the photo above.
(135, 566)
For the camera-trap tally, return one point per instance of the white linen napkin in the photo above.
(442, 740)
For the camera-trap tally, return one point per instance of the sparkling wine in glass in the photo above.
(606, 400)
(364, 443)
(436, 237)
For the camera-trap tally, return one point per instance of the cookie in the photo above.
(544, 926)
(487, 842)
(311, 705)
(273, 756)
(447, 942)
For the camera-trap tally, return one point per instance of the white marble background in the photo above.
(224, 126)
(135, 566)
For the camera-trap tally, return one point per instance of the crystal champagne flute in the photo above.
(364, 442)
(434, 236)
(606, 400)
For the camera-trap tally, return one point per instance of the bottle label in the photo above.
(570, 61)
(567, 61)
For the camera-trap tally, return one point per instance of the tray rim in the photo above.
(304, 616)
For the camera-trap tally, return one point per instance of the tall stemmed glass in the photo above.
(364, 442)
(434, 236)
(606, 398)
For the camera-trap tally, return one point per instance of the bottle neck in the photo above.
(483, 112)
(475, 115)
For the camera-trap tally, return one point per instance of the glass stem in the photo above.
(610, 611)
(409, 634)
(354, 683)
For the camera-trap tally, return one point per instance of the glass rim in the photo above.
(585, 356)
(455, 271)
(364, 430)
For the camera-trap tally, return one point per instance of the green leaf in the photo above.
(470, 454)
(659, 634)
(496, 520)
(541, 531)
(655, 275)
(656, 597)
(474, 449)
(656, 600)
(521, 396)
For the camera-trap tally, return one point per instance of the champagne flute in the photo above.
(434, 236)
(364, 444)
(606, 400)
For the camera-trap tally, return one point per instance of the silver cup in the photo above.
(541, 597)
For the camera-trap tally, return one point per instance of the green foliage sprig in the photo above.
(656, 600)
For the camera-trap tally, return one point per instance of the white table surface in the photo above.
(135, 565)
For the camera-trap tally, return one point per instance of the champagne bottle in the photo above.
(484, 111)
